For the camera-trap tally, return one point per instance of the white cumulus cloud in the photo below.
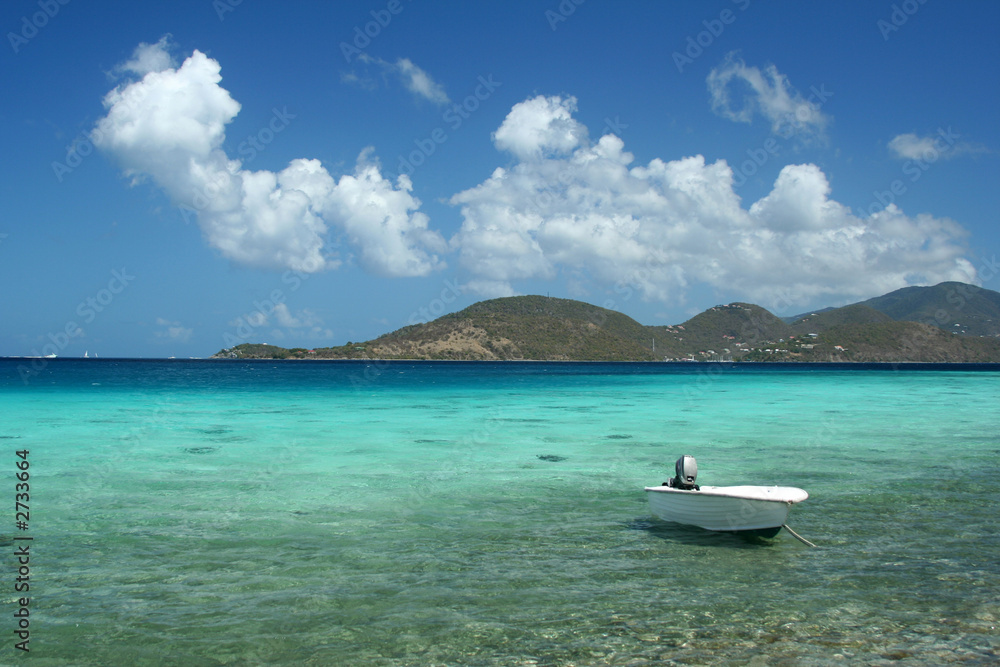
(148, 58)
(586, 212)
(540, 126)
(739, 93)
(169, 126)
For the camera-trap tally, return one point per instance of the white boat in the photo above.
(760, 510)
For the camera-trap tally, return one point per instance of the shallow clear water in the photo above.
(210, 513)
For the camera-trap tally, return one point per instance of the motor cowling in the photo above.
(686, 470)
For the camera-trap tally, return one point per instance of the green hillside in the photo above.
(896, 342)
(525, 327)
(955, 307)
(857, 313)
(542, 328)
(727, 331)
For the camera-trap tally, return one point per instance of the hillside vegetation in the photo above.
(550, 329)
(857, 313)
(955, 307)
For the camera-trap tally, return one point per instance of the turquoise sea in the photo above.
(353, 513)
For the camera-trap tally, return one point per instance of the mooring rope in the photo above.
(797, 536)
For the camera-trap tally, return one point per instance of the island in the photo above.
(949, 322)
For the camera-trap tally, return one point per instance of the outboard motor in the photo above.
(687, 471)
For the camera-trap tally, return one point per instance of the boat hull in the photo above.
(757, 509)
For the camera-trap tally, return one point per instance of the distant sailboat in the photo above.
(84, 354)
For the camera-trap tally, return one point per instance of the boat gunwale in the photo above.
(797, 495)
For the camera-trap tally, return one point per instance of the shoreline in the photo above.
(381, 360)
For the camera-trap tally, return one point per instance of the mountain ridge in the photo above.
(553, 329)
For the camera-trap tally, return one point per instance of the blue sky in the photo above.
(185, 176)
